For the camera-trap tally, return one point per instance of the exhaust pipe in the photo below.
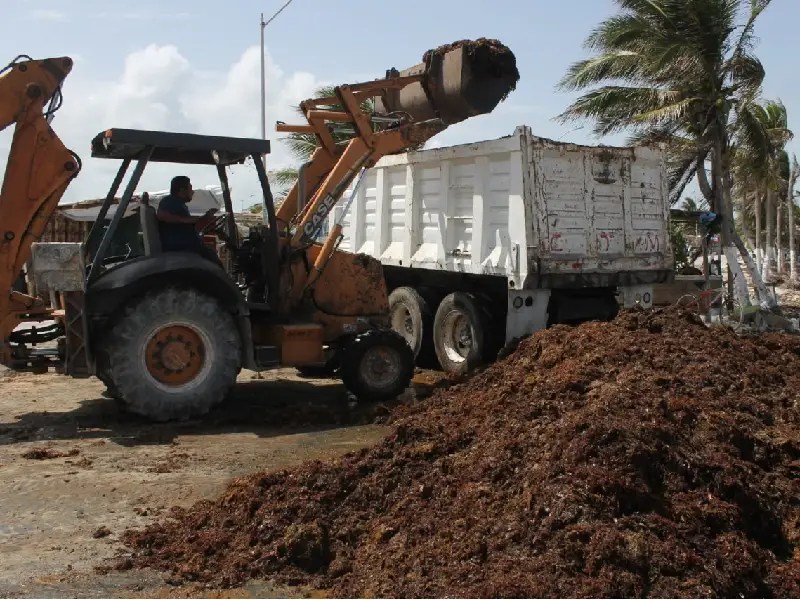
(460, 80)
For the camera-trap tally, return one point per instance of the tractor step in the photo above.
(267, 356)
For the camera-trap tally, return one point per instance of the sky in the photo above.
(194, 66)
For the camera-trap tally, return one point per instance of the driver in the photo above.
(177, 229)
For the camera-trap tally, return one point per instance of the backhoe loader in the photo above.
(168, 332)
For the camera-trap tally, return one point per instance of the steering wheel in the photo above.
(218, 226)
(214, 225)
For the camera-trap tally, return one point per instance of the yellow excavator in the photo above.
(168, 332)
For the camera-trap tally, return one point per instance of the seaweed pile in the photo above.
(649, 456)
(487, 56)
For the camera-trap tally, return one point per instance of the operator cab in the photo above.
(139, 147)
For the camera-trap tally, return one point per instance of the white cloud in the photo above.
(143, 15)
(44, 14)
(161, 89)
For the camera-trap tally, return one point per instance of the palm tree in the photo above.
(761, 164)
(694, 205)
(782, 175)
(677, 71)
(761, 170)
(748, 195)
(795, 172)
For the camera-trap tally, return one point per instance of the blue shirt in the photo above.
(177, 236)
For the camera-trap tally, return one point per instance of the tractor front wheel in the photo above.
(377, 365)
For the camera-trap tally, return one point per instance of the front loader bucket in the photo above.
(461, 80)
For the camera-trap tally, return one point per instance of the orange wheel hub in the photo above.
(175, 355)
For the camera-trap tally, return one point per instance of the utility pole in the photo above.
(263, 25)
(263, 85)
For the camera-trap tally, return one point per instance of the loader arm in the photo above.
(38, 171)
(453, 83)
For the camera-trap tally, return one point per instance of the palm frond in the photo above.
(301, 145)
(667, 133)
(622, 32)
(679, 175)
(669, 113)
(621, 65)
(753, 146)
(745, 72)
(745, 41)
(694, 204)
(615, 108)
(646, 8)
(285, 177)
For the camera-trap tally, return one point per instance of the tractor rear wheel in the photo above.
(377, 365)
(111, 390)
(173, 354)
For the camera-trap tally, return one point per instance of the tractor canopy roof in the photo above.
(171, 147)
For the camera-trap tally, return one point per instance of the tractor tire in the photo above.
(102, 370)
(461, 333)
(111, 390)
(411, 317)
(173, 355)
(377, 365)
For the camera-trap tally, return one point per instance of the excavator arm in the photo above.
(38, 171)
(453, 83)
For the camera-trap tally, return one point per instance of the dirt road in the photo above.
(75, 471)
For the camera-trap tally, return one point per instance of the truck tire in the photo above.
(412, 318)
(460, 333)
(173, 354)
(377, 365)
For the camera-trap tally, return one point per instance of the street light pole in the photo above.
(263, 85)
(263, 74)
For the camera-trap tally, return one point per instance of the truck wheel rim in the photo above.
(457, 336)
(380, 367)
(175, 355)
(403, 323)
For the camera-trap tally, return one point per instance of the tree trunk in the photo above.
(792, 251)
(766, 300)
(790, 207)
(759, 246)
(779, 234)
(769, 258)
(724, 206)
(748, 235)
(702, 178)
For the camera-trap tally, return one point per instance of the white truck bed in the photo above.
(537, 212)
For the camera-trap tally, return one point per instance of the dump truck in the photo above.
(484, 243)
(168, 331)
